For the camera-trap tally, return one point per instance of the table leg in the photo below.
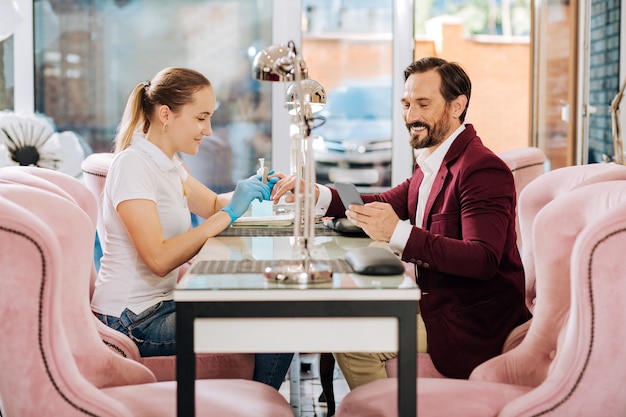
(407, 378)
(185, 361)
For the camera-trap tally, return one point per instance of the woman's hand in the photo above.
(245, 192)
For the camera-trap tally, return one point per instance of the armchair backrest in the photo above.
(95, 169)
(74, 231)
(554, 232)
(588, 374)
(526, 164)
(538, 193)
(39, 376)
(73, 186)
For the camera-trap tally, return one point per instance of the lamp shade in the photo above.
(10, 18)
(278, 63)
(313, 94)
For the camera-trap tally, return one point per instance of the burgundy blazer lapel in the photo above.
(455, 151)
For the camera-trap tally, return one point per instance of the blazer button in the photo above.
(412, 260)
(426, 264)
(418, 262)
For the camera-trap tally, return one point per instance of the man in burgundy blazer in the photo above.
(460, 234)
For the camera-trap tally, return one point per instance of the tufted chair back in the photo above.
(538, 193)
(584, 376)
(526, 164)
(554, 231)
(41, 374)
(95, 168)
(85, 342)
(35, 352)
(74, 191)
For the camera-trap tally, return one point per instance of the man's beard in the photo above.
(436, 134)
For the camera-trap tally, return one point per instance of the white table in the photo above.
(222, 311)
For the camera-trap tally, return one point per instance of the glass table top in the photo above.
(238, 263)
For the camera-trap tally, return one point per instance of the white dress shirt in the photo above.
(429, 164)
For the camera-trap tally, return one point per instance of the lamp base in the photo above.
(299, 273)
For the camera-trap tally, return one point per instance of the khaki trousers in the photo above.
(363, 367)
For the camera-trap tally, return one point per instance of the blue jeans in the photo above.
(154, 333)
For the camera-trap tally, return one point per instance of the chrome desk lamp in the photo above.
(305, 96)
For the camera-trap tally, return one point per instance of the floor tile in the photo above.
(311, 388)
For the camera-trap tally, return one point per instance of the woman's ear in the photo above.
(164, 113)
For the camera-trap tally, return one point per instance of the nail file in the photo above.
(263, 170)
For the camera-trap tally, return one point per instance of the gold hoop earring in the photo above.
(165, 128)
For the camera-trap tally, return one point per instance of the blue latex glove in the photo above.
(270, 181)
(245, 192)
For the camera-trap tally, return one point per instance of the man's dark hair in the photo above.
(454, 80)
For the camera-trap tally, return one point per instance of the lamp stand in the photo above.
(304, 269)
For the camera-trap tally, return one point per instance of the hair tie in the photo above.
(146, 85)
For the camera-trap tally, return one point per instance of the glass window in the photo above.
(348, 48)
(7, 81)
(555, 75)
(89, 56)
(491, 40)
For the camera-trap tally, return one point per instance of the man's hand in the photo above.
(376, 219)
(286, 185)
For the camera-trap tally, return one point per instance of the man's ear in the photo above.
(459, 105)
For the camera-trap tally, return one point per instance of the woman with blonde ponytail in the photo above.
(147, 204)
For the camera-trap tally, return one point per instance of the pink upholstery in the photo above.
(425, 367)
(526, 164)
(437, 397)
(587, 376)
(212, 365)
(579, 239)
(72, 189)
(537, 194)
(555, 229)
(39, 374)
(95, 168)
(57, 182)
(110, 369)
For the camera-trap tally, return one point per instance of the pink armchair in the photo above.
(95, 168)
(565, 365)
(526, 164)
(40, 374)
(537, 194)
(212, 365)
(81, 329)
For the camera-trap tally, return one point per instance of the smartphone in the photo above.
(348, 194)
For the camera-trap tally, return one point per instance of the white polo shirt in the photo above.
(142, 171)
